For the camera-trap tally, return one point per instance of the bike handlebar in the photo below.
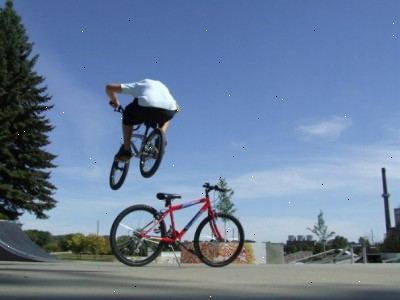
(119, 108)
(209, 188)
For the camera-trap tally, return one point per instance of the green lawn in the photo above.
(84, 257)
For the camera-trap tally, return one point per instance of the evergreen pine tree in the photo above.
(224, 203)
(24, 163)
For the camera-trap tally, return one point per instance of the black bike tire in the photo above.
(197, 245)
(157, 163)
(114, 228)
(118, 184)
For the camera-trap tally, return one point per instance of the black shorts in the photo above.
(135, 114)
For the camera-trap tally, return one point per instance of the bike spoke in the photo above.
(126, 226)
(123, 245)
(153, 240)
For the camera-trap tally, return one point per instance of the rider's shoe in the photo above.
(123, 155)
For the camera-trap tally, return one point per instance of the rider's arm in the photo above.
(111, 90)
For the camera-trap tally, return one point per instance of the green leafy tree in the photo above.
(97, 244)
(364, 241)
(24, 163)
(63, 242)
(339, 242)
(320, 229)
(52, 246)
(291, 248)
(40, 238)
(224, 202)
(77, 243)
(391, 243)
(318, 248)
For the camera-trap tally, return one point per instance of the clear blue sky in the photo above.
(295, 103)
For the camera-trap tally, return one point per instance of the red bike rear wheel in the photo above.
(127, 235)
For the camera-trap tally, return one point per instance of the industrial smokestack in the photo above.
(386, 196)
(397, 217)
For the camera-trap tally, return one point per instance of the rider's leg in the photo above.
(165, 121)
(164, 127)
(127, 133)
(125, 152)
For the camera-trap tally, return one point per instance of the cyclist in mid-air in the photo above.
(152, 102)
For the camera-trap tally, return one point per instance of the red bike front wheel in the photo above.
(218, 249)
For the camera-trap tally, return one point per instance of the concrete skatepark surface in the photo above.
(99, 280)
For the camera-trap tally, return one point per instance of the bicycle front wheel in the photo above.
(152, 153)
(119, 170)
(219, 241)
(135, 235)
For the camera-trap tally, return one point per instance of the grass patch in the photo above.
(83, 257)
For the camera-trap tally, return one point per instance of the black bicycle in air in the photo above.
(147, 144)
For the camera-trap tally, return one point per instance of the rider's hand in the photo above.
(114, 102)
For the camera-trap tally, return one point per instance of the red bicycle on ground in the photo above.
(139, 232)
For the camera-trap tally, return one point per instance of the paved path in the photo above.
(85, 280)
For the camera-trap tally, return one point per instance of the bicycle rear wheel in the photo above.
(152, 153)
(135, 235)
(217, 252)
(119, 170)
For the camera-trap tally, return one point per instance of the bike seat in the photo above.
(165, 196)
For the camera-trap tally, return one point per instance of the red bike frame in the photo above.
(177, 235)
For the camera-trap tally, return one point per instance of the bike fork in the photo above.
(215, 229)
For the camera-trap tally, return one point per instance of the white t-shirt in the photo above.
(150, 93)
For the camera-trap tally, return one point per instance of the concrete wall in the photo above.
(252, 253)
(275, 253)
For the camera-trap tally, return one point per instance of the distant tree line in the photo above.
(77, 243)
(324, 243)
(390, 244)
(339, 242)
